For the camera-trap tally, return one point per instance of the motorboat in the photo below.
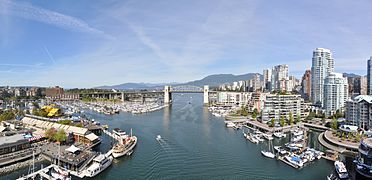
(57, 173)
(279, 134)
(158, 137)
(268, 136)
(99, 164)
(297, 132)
(259, 138)
(294, 146)
(252, 138)
(123, 149)
(297, 138)
(341, 170)
(230, 125)
(280, 150)
(294, 160)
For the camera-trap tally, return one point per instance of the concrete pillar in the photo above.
(122, 97)
(206, 95)
(167, 95)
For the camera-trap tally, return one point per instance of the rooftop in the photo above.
(10, 139)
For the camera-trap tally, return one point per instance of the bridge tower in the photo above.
(167, 95)
(122, 97)
(206, 95)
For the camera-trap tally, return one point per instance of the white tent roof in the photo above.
(91, 137)
(72, 149)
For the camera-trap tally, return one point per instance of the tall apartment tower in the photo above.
(369, 76)
(335, 93)
(279, 78)
(322, 66)
(306, 85)
(267, 79)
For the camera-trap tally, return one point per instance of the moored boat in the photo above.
(99, 164)
(341, 170)
(123, 149)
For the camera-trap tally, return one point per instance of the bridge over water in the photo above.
(166, 93)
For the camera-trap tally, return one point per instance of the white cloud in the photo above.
(28, 11)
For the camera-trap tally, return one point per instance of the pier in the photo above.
(43, 173)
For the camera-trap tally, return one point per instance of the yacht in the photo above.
(279, 135)
(280, 150)
(259, 138)
(251, 138)
(119, 132)
(124, 149)
(99, 164)
(341, 170)
(268, 136)
(297, 138)
(295, 160)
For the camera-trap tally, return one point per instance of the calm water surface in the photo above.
(196, 145)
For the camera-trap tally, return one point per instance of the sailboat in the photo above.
(269, 153)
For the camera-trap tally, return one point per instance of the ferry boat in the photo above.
(123, 149)
(99, 164)
(341, 170)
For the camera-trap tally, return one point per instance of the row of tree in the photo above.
(54, 135)
(282, 121)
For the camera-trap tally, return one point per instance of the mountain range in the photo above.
(211, 80)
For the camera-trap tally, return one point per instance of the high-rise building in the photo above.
(276, 106)
(369, 76)
(335, 93)
(306, 85)
(279, 78)
(322, 65)
(359, 86)
(267, 79)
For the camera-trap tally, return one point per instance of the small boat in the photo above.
(158, 137)
(297, 138)
(294, 160)
(332, 177)
(129, 152)
(58, 173)
(259, 138)
(251, 138)
(341, 170)
(280, 150)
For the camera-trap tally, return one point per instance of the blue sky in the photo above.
(90, 43)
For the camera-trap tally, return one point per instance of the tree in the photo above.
(282, 121)
(60, 136)
(254, 114)
(334, 124)
(323, 120)
(291, 118)
(298, 118)
(272, 123)
(50, 133)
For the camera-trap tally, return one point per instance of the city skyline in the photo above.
(88, 44)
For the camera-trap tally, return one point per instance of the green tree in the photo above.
(334, 124)
(7, 115)
(254, 114)
(323, 120)
(298, 118)
(291, 118)
(60, 136)
(282, 121)
(272, 123)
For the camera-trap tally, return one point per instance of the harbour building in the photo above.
(278, 105)
(322, 65)
(335, 93)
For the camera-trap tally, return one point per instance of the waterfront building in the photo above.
(364, 160)
(335, 93)
(276, 106)
(233, 98)
(257, 101)
(369, 76)
(359, 111)
(322, 66)
(279, 78)
(267, 79)
(306, 85)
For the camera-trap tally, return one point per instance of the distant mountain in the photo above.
(352, 75)
(217, 79)
(212, 80)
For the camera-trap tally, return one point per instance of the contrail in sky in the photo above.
(50, 56)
